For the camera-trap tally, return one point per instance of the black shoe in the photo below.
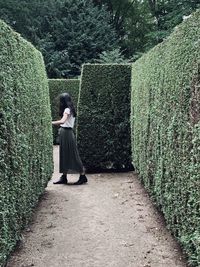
(82, 180)
(62, 180)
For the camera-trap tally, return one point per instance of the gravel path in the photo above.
(110, 222)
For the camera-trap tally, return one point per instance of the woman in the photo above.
(69, 157)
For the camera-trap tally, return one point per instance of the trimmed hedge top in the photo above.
(25, 135)
(57, 87)
(103, 131)
(165, 123)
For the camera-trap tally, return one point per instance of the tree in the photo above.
(113, 56)
(169, 13)
(119, 10)
(141, 24)
(133, 22)
(76, 34)
(67, 32)
(70, 33)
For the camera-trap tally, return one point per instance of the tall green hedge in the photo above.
(25, 135)
(165, 123)
(103, 131)
(57, 87)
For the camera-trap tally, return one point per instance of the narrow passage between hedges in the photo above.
(108, 222)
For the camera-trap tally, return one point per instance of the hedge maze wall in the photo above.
(57, 87)
(103, 130)
(165, 123)
(25, 135)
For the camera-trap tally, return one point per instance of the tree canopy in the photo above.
(68, 33)
(141, 24)
(72, 32)
(76, 34)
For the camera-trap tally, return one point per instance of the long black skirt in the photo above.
(70, 161)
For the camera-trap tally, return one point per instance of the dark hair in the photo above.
(66, 102)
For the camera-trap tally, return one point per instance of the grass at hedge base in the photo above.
(165, 126)
(103, 129)
(57, 87)
(25, 135)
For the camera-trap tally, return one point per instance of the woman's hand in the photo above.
(63, 120)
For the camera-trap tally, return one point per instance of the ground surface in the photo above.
(108, 222)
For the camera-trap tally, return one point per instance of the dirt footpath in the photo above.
(110, 222)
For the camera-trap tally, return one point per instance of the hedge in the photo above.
(57, 87)
(165, 130)
(26, 161)
(103, 129)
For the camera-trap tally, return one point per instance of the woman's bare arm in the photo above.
(61, 121)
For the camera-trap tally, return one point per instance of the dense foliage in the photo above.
(72, 32)
(165, 123)
(57, 87)
(142, 24)
(25, 135)
(111, 57)
(103, 130)
(68, 33)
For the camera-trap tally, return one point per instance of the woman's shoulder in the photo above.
(67, 110)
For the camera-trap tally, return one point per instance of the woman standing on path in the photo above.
(70, 161)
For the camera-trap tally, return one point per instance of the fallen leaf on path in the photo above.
(129, 245)
(124, 201)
